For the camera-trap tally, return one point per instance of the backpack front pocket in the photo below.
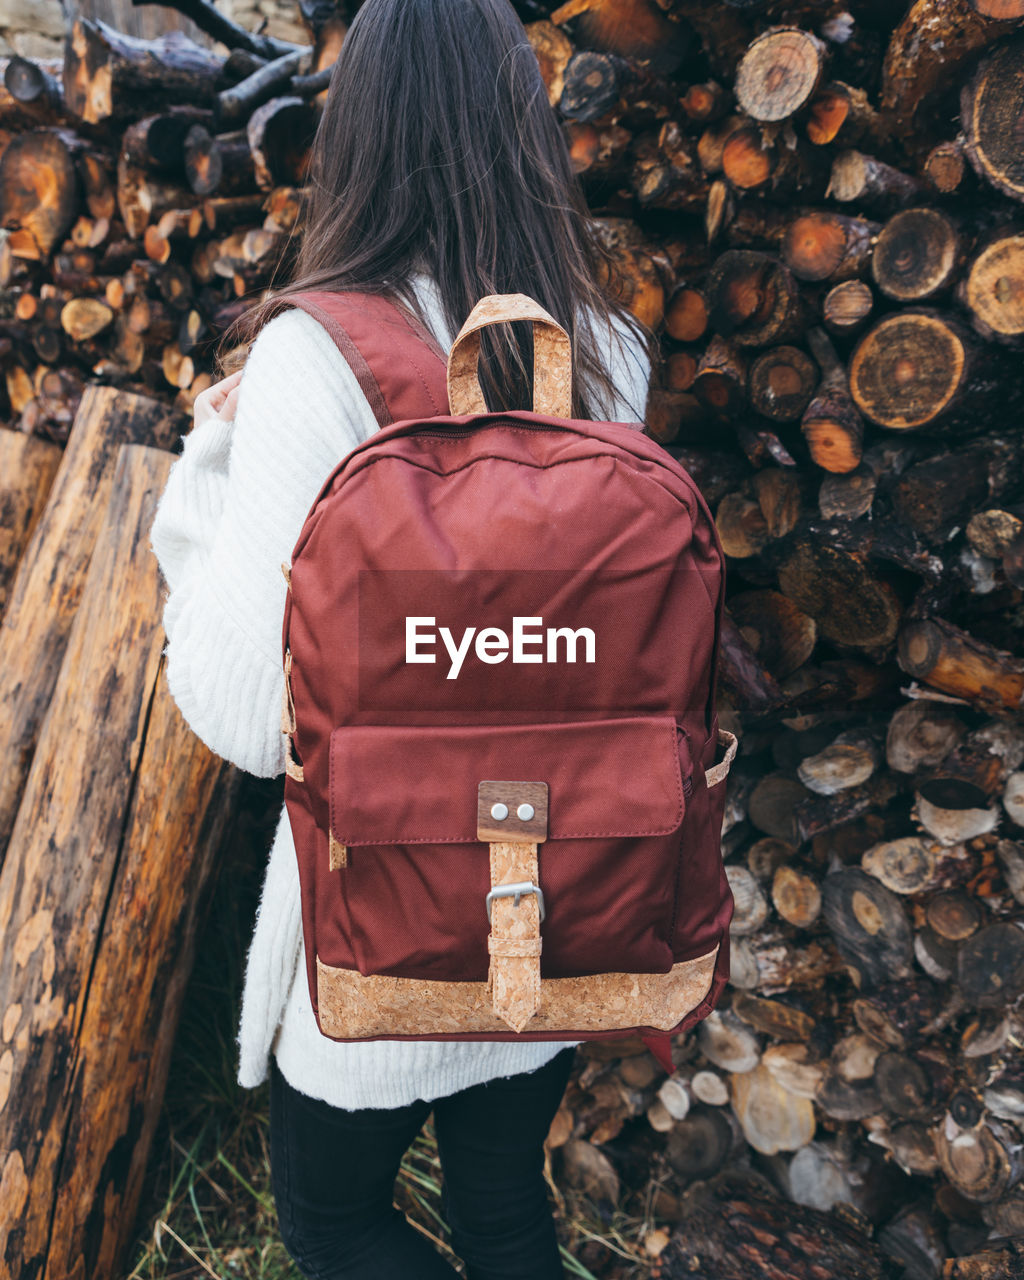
(415, 876)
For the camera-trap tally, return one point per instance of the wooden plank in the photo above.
(48, 585)
(27, 467)
(113, 841)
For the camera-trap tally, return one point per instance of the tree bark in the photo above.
(48, 585)
(110, 75)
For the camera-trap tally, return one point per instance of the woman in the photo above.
(439, 174)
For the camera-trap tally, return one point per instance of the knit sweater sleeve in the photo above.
(229, 516)
(630, 371)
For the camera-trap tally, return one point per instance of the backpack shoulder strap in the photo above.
(401, 368)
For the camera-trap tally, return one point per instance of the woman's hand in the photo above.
(218, 401)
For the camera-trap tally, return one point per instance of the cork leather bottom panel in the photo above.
(354, 1005)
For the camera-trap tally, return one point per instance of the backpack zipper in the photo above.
(517, 426)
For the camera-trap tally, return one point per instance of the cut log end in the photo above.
(827, 246)
(39, 188)
(916, 255)
(781, 382)
(779, 73)
(990, 111)
(846, 306)
(907, 369)
(995, 288)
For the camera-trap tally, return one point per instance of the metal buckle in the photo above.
(515, 891)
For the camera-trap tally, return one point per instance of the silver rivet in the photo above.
(525, 812)
(499, 811)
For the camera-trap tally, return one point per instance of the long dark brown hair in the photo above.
(438, 151)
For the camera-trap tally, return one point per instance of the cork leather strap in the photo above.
(513, 818)
(552, 356)
(514, 943)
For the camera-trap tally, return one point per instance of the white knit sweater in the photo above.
(230, 515)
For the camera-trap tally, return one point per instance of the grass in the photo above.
(207, 1209)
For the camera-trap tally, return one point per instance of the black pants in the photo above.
(334, 1172)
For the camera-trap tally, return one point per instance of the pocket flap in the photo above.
(418, 785)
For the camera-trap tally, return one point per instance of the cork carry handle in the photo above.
(552, 356)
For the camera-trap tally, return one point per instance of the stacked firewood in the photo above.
(819, 209)
(148, 191)
(817, 205)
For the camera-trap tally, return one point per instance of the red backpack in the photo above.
(505, 774)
